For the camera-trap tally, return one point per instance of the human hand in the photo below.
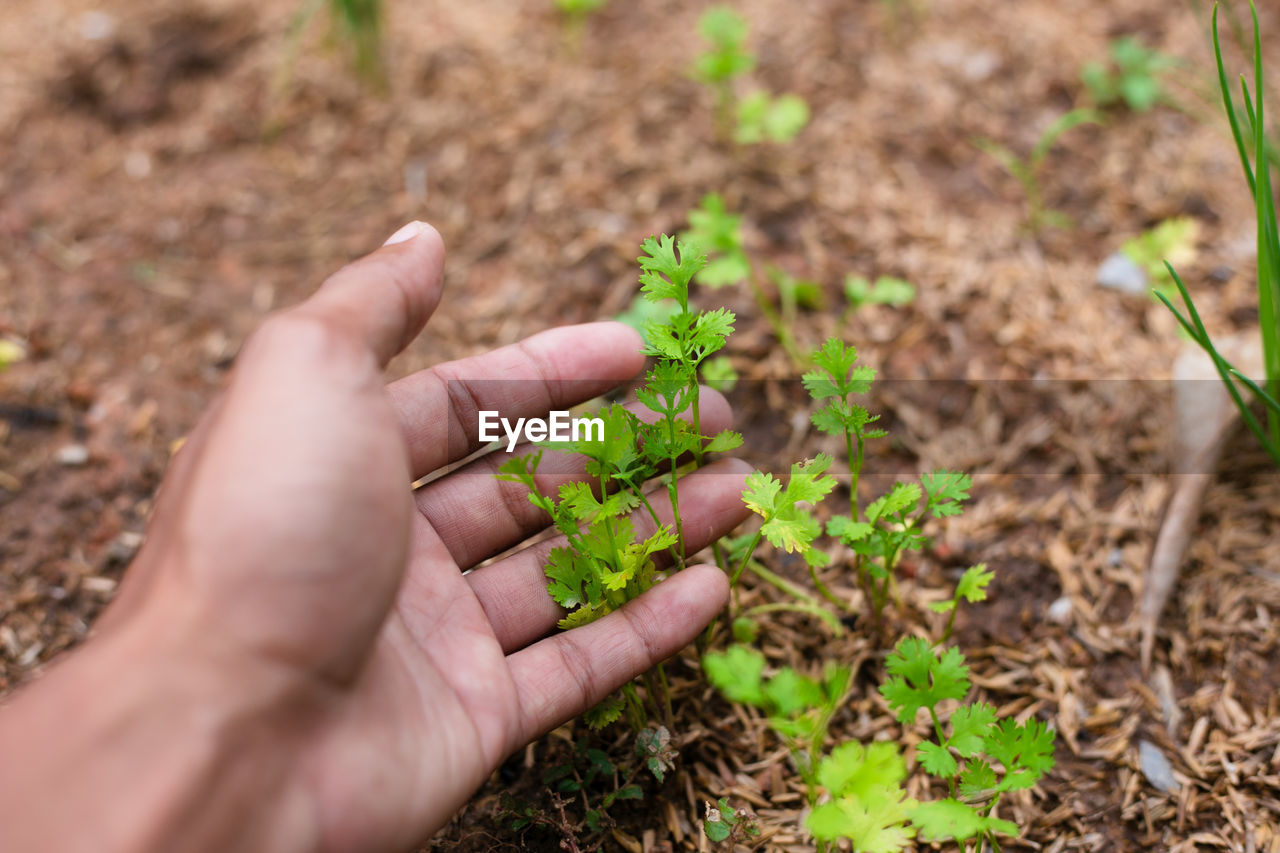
(296, 660)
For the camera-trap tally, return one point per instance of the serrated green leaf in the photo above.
(901, 498)
(737, 673)
(875, 824)
(978, 780)
(605, 712)
(847, 530)
(946, 820)
(921, 678)
(761, 493)
(970, 725)
(936, 759)
(973, 583)
(789, 693)
(855, 770)
(1025, 750)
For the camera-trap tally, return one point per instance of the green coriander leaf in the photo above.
(790, 693)
(737, 673)
(1025, 750)
(900, 499)
(921, 679)
(973, 583)
(854, 770)
(946, 490)
(970, 725)
(847, 530)
(664, 275)
(874, 824)
(945, 820)
(605, 713)
(936, 759)
(724, 441)
(761, 493)
(572, 582)
(978, 781)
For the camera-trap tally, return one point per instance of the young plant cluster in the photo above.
(1027, 170)
(605, 562)
(758, 117)
(977, 755)
(1132, 75)
(717, 232)
(856, 791)
(589, 777)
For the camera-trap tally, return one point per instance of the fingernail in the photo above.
(408, 232)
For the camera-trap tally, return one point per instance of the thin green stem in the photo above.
(799, 607)
(746, 557)
(822, 588)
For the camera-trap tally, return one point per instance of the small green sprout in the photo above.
(760, 117)
(885, 290)
(998, 755)
(719, 373)
(1027, 171)
(892, 523)
(717, 233)
(765, 118)
(799, 708)
(11, 352)
(576, 13)
(971, 588)
(1132, 75)
(1173, 240)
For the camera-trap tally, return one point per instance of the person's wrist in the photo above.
(140, 711)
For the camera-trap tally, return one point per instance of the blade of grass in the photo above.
(1195, 328)
(1229, 104)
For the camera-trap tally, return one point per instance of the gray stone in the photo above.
(1120, 272)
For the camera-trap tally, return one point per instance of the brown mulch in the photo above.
(147, 223)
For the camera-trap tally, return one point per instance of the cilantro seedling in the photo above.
(717, 234)
(798, 708)
(885, 290)
(1173, 240)
(605, 562)
(1132, 74)
(979, 756)
(1027, 171)
(767, 118)
(786, 518)
(576, 13)
(972, 588)
(760, 116)
(893, 523)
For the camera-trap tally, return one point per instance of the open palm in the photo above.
(334, 599)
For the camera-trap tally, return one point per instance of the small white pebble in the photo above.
(1156, 767)
(137, 164)
(1060, 611)
(96, 26)
(73, 455)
